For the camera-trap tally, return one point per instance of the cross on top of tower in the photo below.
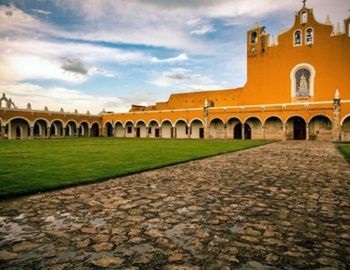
(304, 2)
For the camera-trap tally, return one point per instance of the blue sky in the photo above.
(95, 54)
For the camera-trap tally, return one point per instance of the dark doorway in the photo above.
(299, 128)
(18, 132)
(247, 132)
(94, 130)
(237, 132)
(156, 132)
(138, 132)
(201, 133)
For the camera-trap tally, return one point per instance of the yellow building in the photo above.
(297, 88)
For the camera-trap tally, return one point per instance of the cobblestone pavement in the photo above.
(280, 206)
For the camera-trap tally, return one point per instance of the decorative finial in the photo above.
(337, 95)
(304, 2)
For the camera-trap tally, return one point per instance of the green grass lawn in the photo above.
(344, 148)
(39, 165)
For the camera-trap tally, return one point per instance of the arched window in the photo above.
(254, 37)
(302, 80)
(303, 17)
(298, 38)
(309, 36)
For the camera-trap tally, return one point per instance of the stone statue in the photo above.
(303, 88)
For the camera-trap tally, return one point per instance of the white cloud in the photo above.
(56, 97)
(185, 80)
(181, 57)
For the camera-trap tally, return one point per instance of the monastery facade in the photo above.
(297, 88)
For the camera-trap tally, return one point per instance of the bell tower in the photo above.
(257, 41)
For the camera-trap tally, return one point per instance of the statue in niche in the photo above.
(302, 83)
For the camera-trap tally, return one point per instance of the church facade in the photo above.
(298, 87)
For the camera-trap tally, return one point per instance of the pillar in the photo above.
(189, 132)
(336, 128)
(48, 132)
(263, 132)
(243, 132)
(124, 132)
(2, 131)
(31, 133)
(225, 131)
(63, 132)
(284, 131)
(307, 131)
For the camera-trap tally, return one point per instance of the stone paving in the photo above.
(280, 206)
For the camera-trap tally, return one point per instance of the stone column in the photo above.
(63, 132)
(48, 132)
(3, 129)
(243, 132)
(284, 131)
(225, 131)
(89, 132)
(263, 132)
(124, 132)
(189, 132)
(307, 131)
(336, 128)
(31, 136)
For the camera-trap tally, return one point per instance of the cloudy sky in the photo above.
(95, 54)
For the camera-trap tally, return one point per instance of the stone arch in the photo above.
(95, 130)
(253, 128)
(153, 129)
(166, 129)
(18, 128)
(181, 129)
(56, 129)
(296, 128)
(141, 129)
(217, 128)
(273, 128)
(299, 89)
(320, 128)
(40, 127)
(129, 128)
(108, 129)
(118, 129)
(345, 128)
(234, 131)
(84, 129)
(197, 128)
(71, 128)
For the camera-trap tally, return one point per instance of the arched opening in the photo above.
(217, 129)
(253, 129)
(118, 130)
(166, 129)
(253, 37)
(18, 128)
(297, 38)
(273, 128)
(108, 130)
(346, 129)
(153, 129)
(320, 128)
(84, 129)
(56, 129)
(197, 129)
(71, 129)
(129, 129)
(40, 129)
(303, 17)
(296, 128)
(141, 129)
(237, 132)
(95, 130)
(231, 124)
(309, 36)
(302, 81)
(181, 129)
